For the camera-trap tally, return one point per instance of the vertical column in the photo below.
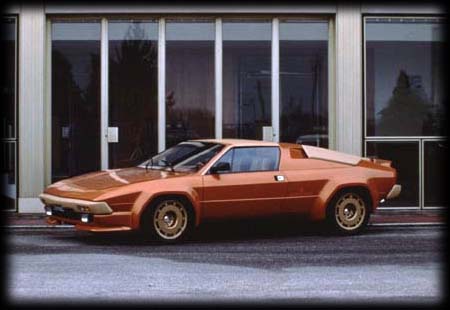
(276, 79)
(331, 85)
(31, 106)
(218, 79)
(349, 46)
(104, 122)
(48, 105)
(162, 85)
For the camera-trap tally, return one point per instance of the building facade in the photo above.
(89, 87)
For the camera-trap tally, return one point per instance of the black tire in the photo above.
(348, 212)
(168, 219)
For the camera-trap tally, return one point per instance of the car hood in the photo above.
(91, 185)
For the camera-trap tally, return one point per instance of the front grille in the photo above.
(65, 212)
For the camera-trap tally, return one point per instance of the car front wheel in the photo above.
(348, 212)
(169, 220)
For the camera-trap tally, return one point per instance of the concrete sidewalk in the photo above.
(380, 217)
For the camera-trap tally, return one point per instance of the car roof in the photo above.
(239, 142)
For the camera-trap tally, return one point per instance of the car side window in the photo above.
(251, 159)
(227, 158)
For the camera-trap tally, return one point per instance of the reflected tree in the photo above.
(407, 111)
(133, 96)
(188, 124)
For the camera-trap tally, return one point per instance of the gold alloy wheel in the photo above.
(350, 211)
(170, 219)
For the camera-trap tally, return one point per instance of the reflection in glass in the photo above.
(75, 98)
(435, 168)
(8, 80)
(8, 191)
(8, 139)
(189, 80)
(133, 90)
(404, 77)
(405, 158)
(304, 82)
(246, 78)
(185, 156)
(242, 159)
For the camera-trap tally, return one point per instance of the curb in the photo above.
(409, 224)
(12, 227)
(37, 226)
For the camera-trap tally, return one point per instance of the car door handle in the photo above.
(279, 178)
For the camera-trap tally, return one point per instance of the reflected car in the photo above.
(172, 193)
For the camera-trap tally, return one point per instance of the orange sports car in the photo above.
(173, 192)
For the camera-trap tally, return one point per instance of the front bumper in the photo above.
(76, 205)
(85, 215)
(394, 192)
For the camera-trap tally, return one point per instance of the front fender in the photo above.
(146, 198)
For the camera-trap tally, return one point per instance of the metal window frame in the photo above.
(218, 70)
(368, 17)
(419, 139)
(161, 84)
(331, 87)
(16, 175)
(48, 105)
(104, 94)
(48, 90)
(104, 115)
(393, 140)
(422, 183)
(275, 79)
(15, 137)
(421, 147)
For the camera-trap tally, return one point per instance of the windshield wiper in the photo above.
(149, 161)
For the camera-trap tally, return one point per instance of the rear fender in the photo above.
(318, 211)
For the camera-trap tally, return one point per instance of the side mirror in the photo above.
(220, 167)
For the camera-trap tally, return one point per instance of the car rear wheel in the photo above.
(348, 212)
(169, 220)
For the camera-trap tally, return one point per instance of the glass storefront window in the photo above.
(75, 97)
(435, 176)
(405, 158)
(8, 138)
(8, 81)
(190, 103)
(133, 90)
(246, 78)
(304, 82)
(8, 191)
(405, 87)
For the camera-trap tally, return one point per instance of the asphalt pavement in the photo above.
(229, 263)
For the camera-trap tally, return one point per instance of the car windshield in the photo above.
(185, 156)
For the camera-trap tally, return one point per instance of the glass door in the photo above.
(75, 114)
(8, 136)
(247, 104)
(189, 80)
(132, 91)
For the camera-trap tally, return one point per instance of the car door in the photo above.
(252, 187)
